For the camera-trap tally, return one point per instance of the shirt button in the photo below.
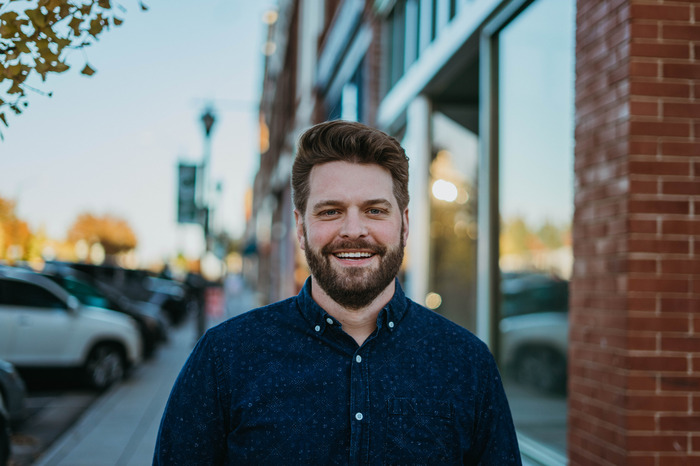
(330, 321)
(317, 328)
(358, 416)
(391, 325)
(358, 358)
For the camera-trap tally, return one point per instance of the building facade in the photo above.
(555, 195)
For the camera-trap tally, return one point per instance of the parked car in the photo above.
(534, 330)
(92, 292)
(12, 399)
(140, 285)
(43, 326)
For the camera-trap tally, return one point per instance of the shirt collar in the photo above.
(319, 319)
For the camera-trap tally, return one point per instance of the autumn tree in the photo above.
(37, 36)
(112, 233)
(15, 235)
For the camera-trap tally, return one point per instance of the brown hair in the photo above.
(348, 141)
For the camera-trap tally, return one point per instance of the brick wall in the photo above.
(634, 393)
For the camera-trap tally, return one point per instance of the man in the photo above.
(350, 371)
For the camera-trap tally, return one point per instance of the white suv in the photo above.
(43, 326)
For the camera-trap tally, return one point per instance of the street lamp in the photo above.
(208, 120)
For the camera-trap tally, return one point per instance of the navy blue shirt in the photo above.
(284, 384)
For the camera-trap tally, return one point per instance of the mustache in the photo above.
(353, 244)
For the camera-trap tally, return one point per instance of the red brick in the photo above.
(659, 207)
(681, 109)
(644, 266)
(652, 167)
(677, 459)
(676, 305)
(689, 344)
(680, 148)
(644, 108)
(660, 89)
(658, 363)
(658, 323)
(641, 343)
(644, 30)
(643, 147)
(680, 266)
(657, 442)
(680, 246)
(639, 68)
(681, 70)
(641, 422)
(660, 128)
(680, 227)
(681, 32)
(659, 12)
(680, 383)
(680, 423)
(655, 50)
(636, 303)
(689, 188)
(660, 285)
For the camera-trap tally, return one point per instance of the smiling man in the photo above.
(350, 371)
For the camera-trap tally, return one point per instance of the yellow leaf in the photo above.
(88, 71)
(2, 117)
(104, 4)
(75, 25)
(36, 17)
(117, 21)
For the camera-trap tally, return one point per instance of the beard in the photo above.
(354, 287)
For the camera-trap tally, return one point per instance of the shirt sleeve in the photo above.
(495, 442)
(193, 427)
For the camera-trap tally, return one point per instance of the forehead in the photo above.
(344, 181)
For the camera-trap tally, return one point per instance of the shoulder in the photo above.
(253, 325)
(444, 334)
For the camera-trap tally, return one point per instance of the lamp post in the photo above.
(208, 120)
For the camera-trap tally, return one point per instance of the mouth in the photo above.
(354, 255)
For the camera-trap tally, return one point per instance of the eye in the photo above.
(329, 213)
(376, 211)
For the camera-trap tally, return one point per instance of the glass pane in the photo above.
(536, 79)
(452, 280)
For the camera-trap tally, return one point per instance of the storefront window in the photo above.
(452, 278)
(535, 123)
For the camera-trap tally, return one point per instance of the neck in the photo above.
(358, 323)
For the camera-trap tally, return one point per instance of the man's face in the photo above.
(352, 233)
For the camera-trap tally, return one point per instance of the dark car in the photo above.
(90, 291)
(12, 397)
(140, 285)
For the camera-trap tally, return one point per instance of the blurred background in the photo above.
(152, 177)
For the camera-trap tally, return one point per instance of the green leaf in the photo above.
(37, 17)
(87, 70)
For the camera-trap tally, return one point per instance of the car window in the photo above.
(84, 292)
(18, 293)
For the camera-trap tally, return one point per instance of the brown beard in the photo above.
(357, 287)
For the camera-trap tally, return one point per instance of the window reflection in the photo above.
(452, 280)
(535, 210)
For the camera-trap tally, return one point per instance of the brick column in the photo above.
(634, 390)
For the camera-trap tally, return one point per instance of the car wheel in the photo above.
(104, 366)
(5, 440)
(542, 368)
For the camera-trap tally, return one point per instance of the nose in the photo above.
(354, 225)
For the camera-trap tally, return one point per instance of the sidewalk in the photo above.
(121, 427)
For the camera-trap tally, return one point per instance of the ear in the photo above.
(299, 221)
(405, 225)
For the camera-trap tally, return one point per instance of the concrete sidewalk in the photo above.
(120, 428)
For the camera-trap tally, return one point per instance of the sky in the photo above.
(111, 143)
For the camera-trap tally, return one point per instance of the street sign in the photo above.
(186, 189)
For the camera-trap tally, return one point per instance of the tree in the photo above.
(36, 36)
(112, 233)
(15, 235)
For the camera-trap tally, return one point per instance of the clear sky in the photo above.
(110, 143)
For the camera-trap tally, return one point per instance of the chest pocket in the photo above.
(421, 431)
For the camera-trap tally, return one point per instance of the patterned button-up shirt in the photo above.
(284, 384)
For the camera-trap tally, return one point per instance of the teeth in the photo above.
(353, 255)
